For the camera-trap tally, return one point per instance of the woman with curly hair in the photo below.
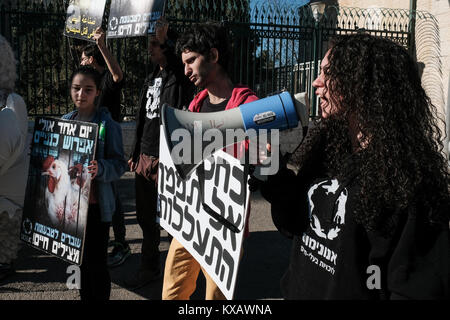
(372, 216)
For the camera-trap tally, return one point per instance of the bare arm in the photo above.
(111, 62)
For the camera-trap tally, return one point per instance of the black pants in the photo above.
(146, 201)
(95, 278)
(118, 218)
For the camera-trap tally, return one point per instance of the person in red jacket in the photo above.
(205, 54)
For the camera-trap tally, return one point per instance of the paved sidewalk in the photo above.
(266, 254)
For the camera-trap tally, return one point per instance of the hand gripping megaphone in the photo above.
(186, 131)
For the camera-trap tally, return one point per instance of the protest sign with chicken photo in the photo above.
(58, 188)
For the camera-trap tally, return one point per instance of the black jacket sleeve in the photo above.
(288, 206)
(287, 191)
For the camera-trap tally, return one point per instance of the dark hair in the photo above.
(376, 83)
(92, 50)
(89, 72)
(202, 38)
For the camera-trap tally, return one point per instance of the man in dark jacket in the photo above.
(166, 84)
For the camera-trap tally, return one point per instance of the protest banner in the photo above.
(133, 18)
(83, 18)
(206, 212)
(57, 193)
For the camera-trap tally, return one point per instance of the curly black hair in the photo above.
(202, 37)
(376, 84)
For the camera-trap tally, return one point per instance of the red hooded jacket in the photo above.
(240, 95)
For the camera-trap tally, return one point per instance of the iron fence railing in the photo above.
(274, 47)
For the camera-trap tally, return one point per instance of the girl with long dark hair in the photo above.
(108, 167)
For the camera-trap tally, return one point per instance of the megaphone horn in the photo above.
(280, 111)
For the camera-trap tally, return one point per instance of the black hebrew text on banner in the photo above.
(58, 187)
(207, 212)
(133, 18)
(83, 18)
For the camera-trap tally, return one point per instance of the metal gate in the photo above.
(274, 47)
(281, 48)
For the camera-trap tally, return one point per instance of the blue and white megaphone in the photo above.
(186, 131)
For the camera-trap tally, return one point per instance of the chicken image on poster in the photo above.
(58, 187)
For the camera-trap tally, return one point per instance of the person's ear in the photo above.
(214, 55)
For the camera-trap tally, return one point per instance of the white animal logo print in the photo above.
(330, 187)
(153, 98)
